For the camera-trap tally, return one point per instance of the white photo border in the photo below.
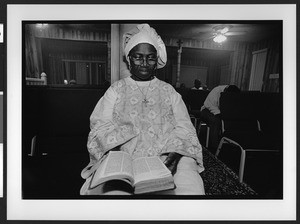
(19, 209)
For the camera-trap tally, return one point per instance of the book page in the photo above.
(117, 165)
(118, 162)
(149, 168)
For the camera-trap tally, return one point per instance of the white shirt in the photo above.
(212, 100)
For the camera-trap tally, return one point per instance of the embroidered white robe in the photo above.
(162, 125)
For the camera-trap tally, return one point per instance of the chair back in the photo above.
(184, 94)
(59, 118)
(67, 111)
(271, 114)
(238, 111)
(197, 98)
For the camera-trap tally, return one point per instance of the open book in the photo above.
(146, 174)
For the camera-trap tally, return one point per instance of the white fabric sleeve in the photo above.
(186, 141)
(104, 107)
(181, 114)
(106, 134)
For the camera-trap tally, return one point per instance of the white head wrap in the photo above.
(143, 33)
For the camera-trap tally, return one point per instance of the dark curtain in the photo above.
(31, 67)
(56, 72)
(56, 52)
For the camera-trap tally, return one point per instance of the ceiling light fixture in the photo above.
(41, 25)
(220, 38)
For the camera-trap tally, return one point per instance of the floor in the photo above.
(220, 182)
(263, 171)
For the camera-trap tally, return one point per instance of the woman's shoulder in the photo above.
(164, 85)
(119, 83)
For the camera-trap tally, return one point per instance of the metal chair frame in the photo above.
(243, 150)
(198, 127)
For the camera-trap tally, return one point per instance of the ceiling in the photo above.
(247, 32)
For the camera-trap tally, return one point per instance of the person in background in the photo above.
(145, 116)
(182, 86)
(72, 82)
(197, 85)
(210, 113)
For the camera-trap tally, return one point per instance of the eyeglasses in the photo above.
(138, 59)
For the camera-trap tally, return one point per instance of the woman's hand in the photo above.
(171, 161)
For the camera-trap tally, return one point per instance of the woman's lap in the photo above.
(187, 181)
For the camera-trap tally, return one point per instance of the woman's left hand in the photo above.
(171, 161)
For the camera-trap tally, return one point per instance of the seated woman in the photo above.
(145, 116)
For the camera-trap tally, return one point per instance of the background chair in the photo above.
(194, 100)
(241, 126)
(55, 127)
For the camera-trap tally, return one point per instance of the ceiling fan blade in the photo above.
(235, 33)
(206, 36)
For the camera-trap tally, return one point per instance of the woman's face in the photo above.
(143, 61)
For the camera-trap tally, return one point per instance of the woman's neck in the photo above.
(138, 79)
